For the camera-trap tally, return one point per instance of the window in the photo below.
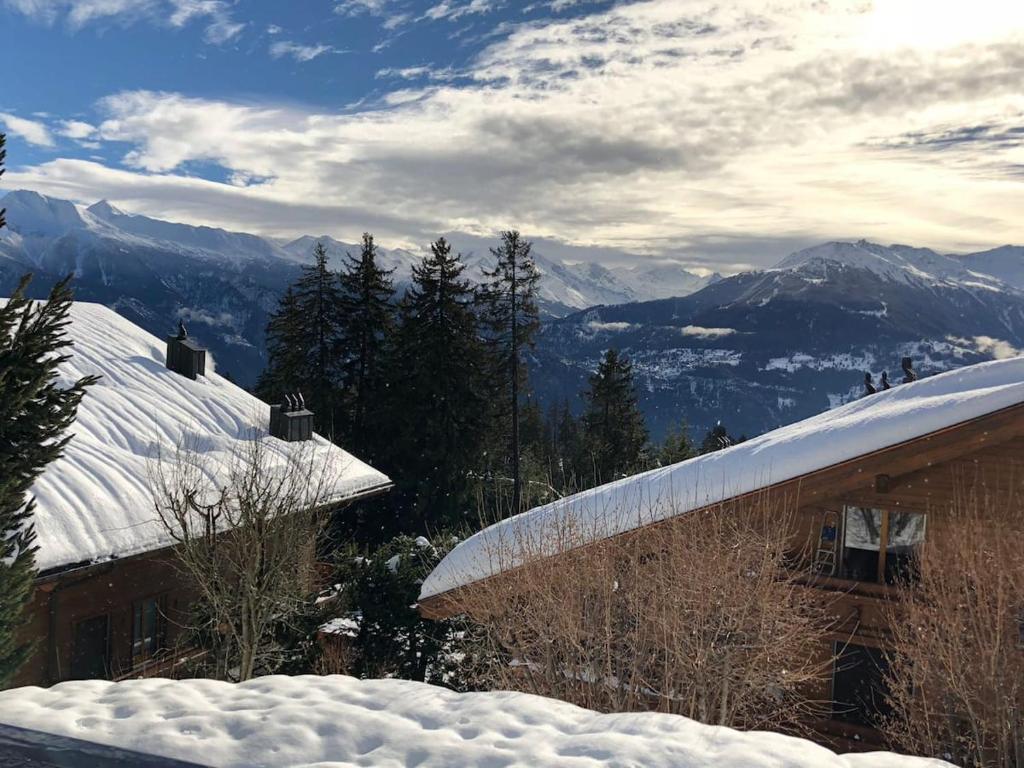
(859, 690)
(90, 644)
(880, 545)
(148, 624)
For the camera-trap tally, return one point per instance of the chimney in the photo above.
(184, 356)
(885, 381)
(291, 421)
(908, 370)
(869, 388)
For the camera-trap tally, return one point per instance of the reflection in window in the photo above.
(865, 558)
(147, 629)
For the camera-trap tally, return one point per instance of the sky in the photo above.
(720, 134)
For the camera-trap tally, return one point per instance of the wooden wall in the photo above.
(109, 588)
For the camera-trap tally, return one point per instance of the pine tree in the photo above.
(512, 320)
(3, 156)
(437, 395)
(614, 429)
(303, 342)
(677, 446)
(287, 343)
(367, 317)
(716, 439)
(34, 414)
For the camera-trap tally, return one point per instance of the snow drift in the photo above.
(341, 721)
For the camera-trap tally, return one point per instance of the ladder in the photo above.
(828, 542)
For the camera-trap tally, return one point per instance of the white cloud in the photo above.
(216, 14)
(447, 9)
(986, 345)
(706, 333)
(701, 130)
(299, 51)
(76, 129)
(31, 131)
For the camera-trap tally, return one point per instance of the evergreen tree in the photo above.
(287, 350)
(34, 413)
(512, 320)
(716, 439)
(3, 156)
(304, 344)
(437, 393)
(614, 429)
(677, 446)
(367, 319)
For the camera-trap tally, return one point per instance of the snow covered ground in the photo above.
(852, 430)
(341, 721)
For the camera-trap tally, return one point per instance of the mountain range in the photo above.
(753, 350)
(761, 349)
(224, 284)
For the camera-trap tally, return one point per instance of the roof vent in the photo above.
(185, 356)
(291, 421)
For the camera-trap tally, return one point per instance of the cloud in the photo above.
(712, 133)
(447, 9)
(31, 131)
(706, 333)
(76, 129)
(986, 345)
(299, 51)
(216, 14)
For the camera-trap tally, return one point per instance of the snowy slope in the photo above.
(95, 502)
(339, 721)
(900, 263)
(860, 427)
(1005, 263)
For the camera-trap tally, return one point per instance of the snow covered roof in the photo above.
(340, 721)
(95, 502)
(856, 429)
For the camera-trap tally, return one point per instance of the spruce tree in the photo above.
(304, 344)
(35, 411)
(3, 156)
(437, 394)
(677, 446)
(287, 350)
(716, 439)
(614, 429)
(512, 320)
(366, 321)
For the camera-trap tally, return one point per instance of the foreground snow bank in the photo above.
(341, 721)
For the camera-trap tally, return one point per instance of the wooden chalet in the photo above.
(870, 481)
(109, 601)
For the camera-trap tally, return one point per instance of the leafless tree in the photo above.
(245, 526)
(956, 671)
(697, 616)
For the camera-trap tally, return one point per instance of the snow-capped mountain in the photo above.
(225, 283)
(760, 349)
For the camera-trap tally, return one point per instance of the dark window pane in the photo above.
(906, 534)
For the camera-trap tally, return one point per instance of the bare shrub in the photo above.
(956, 671)
(245, 526)
(696, 616)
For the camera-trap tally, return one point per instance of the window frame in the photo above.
(144, 654)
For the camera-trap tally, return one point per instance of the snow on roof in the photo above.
(95, 502)
(855, 429)
(341, 721)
